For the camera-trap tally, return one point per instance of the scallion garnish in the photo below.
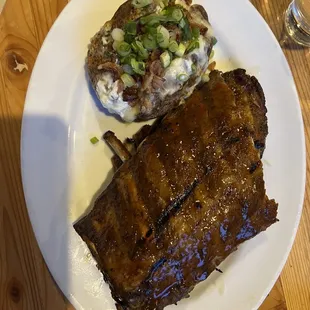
(151, 30)
(181, 50)
(115, 45)
(127, 59)
(165, 59)
(162, 37)
(177, 14)
(128, 69)
(183, 77)
(123, 49)
(214, 41)
(192, 46)
(152, 19)
(182, 23)
(94, 140)
(196, 32)
(138, 66)
(138, 47)
(173, 46)
(131, 28)
(129, 38)
(187, 32)
(118, 34)
(141, 3)
(149, 42)
(162, 4)
(134, 44)
(128, 80)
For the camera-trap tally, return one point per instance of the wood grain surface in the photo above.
(25, 282)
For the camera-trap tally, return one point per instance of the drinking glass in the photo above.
(297, 21)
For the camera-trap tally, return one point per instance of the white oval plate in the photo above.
(62, 170)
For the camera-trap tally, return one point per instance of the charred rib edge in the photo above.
(117, 146)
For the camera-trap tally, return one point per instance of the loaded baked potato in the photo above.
(151, 55)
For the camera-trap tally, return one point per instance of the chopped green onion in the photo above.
(187, 32)
(118, 34)
(173, 46)
(115, 45)
(181, 50)
(135, 47)
(177, 14)
(127, 59)
(194, 68)
(143, 53)
(153, 19)
(138, 47)
(182, 23)
(162, 36)
(128, 69)
(165, 59)
(183, 77)
(151, 30)
(94, 140)
(171, 54)
(123, 49)
(129, 38)
(162, 4)
(149, 42)
(169, 10)
(214, 41)
(172, 15)
(141, 3)
(138, 66)
(131, 28)
(192, 46)
(212, 54)
(196, 32)
(128, 80)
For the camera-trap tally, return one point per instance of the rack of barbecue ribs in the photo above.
(192, 192)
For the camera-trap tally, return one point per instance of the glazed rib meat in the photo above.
(190, 195)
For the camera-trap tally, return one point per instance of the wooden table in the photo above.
(25, 282)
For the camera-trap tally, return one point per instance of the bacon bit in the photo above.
(156, 68)
(175, 32)
(155, 55)
(120, 86)
(130, 94)
(211, 66)
(147, 82)
(113, 68)
(203, 30)
(157, 82)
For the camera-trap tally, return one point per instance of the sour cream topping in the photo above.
(112, 99)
